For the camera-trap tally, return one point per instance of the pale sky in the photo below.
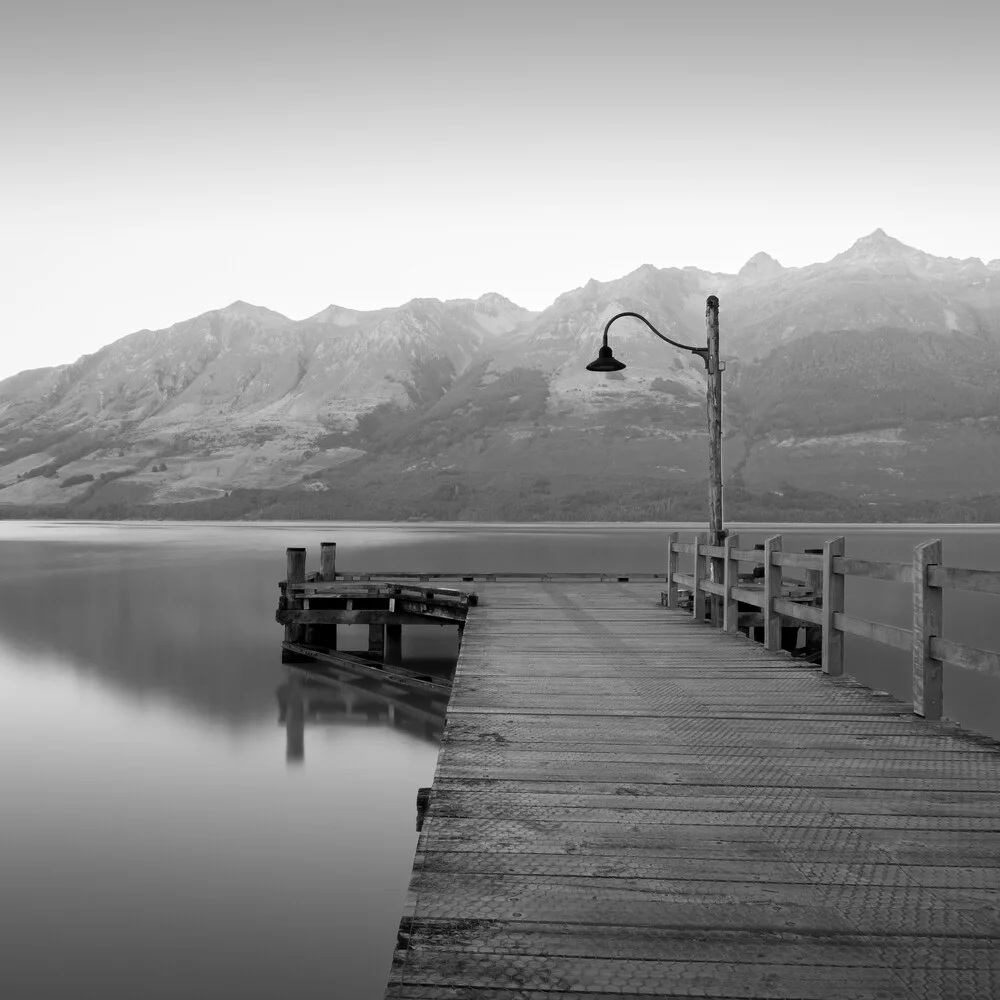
(163, 159)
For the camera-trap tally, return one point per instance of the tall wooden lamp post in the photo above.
(607, 362)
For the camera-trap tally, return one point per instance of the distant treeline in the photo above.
(458, 497)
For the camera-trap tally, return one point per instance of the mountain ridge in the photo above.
(243, 397)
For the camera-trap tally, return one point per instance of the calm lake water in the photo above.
(157, 838)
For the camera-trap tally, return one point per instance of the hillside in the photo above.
(867, 381)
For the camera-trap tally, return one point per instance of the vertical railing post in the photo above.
(700, 540)
(928, 608)
(772, 589)
(833, 604)
(731, 579)
(671, 570)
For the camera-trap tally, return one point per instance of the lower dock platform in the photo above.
(628, 802)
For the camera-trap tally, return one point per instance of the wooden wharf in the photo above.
(629, 801)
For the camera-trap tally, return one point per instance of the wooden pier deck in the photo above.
(630, 802)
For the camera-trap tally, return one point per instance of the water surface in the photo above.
(164, 832)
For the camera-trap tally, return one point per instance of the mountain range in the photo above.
(868, 384)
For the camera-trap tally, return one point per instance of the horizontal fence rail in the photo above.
(715, 577)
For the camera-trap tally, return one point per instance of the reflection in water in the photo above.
(324, 695)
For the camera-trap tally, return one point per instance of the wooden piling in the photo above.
(927, 617)
(295, 572)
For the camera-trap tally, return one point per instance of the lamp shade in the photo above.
(606, 362)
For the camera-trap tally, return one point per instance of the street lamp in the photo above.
(607, 362)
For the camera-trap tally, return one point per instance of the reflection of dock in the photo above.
(321, 695)
(313, 607)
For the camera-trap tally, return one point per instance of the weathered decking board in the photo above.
(628, 802)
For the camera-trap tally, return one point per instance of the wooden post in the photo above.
(814, 581)
(716, 531)
(833, 604)
(671, 570)
(927, 624)
(731, 578)
(393, 643)
(772, 589)
(326, 635)
(376, 640)
(328, 561)
(295, 572)
(699, 575)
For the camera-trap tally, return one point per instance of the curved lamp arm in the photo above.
(702, 352)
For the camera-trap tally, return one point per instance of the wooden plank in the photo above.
(684, 580)
(629, 803)
(952, 578)
(749, 555)
(797, 560)
(712, 588)
(755, 597)
(983, 661)
(800, 612)
(889, 635)
(362, 617)
(687, 548)
(714, 551)
(874, 570)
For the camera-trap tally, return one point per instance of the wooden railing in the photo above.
(827, 573)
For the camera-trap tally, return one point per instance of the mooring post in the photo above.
(928, 610)
(393, 643)
(295, 572)
(772, 591)
(671, 570)
(833, 604)
(731, 578)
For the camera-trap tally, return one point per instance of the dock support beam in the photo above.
(376, 641)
